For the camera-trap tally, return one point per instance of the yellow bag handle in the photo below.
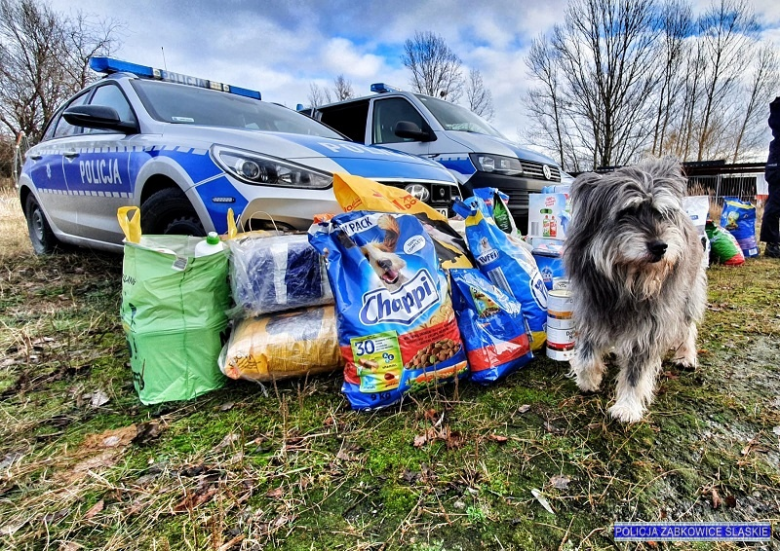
(131, 226)
(232, 230)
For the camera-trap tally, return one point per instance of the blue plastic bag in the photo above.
(509, 267)
(739, 218)
(491, 325)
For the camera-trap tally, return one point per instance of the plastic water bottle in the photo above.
(210, 245)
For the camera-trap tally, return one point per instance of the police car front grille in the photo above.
(441, 194)
(535, 171)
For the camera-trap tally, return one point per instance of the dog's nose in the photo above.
(384, 264)
(657, 248)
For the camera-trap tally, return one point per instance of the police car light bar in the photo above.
(382, 88)
(108, 65)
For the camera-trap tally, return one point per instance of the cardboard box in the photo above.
(548, 215)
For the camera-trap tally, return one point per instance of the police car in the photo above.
(186, 150)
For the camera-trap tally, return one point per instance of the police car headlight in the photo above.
(497, 163)
(261, 170)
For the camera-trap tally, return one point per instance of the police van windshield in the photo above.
(180, 104)
(455, 117)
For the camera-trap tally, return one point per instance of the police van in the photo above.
(478, 154)
(186, 150)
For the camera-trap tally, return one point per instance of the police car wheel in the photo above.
(41, 236)
(169, 212)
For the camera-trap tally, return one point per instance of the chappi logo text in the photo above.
(401, 306)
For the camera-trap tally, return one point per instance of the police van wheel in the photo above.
(41, 236)
(169, 212)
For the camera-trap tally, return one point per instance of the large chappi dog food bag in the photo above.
(491, 325)
(396, 325)
(509, 266)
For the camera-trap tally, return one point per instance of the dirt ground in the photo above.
(529, 463)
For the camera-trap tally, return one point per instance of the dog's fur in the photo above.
(382, 257)
(630, 295)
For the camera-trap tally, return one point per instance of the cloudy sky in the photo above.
(279, 47)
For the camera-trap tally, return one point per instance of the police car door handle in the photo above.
(71, 153)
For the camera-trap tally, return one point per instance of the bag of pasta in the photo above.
(282, 345)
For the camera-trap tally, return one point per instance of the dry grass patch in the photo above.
(13, 226)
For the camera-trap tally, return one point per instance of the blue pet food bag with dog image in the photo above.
(739, 217)
(491, 325)
(396, 325)
(509, 266)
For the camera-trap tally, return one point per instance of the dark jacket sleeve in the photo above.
(772, 169)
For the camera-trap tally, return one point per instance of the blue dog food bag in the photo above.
(396, 325)
(491, 325)
(494, 204)
(509, 267)
(739, 217)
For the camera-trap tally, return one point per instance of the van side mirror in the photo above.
(408, 129)
(96, 116)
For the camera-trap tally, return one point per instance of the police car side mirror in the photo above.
(96, 116)
(408, 129)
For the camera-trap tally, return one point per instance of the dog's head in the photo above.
(629, 224)
(387, 265)
(381, 256)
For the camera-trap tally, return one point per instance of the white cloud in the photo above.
(341, 57)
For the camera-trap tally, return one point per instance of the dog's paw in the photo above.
(587, 377)
(627, 413)
(686, 363)
(588, 382)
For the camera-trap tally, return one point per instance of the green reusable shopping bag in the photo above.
(173, 312)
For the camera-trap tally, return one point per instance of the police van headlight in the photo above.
(260, 170)
(497, 163)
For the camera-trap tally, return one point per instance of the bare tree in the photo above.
(762, 85)
(318, 96)
(545, 103)
(626, 77)
(598, 68)
(436, 70)
(43, 57)
(677, 25)
(478, 98)
(727, 29)
(342, 88)
(84, 39)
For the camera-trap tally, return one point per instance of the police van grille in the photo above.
(535, 171)
(517, 198)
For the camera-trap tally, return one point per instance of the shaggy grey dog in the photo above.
(634, 260)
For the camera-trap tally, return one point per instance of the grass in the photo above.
(296, 469)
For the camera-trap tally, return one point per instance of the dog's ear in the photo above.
(583, 186)
(392, 231)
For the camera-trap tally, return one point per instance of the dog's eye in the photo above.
(629, 212)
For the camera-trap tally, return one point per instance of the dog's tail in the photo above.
(390, 225)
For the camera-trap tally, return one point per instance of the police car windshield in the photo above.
(179, 104)
(455, 117)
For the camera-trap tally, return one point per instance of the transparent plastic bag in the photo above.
(282, 345)
(276, 273)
